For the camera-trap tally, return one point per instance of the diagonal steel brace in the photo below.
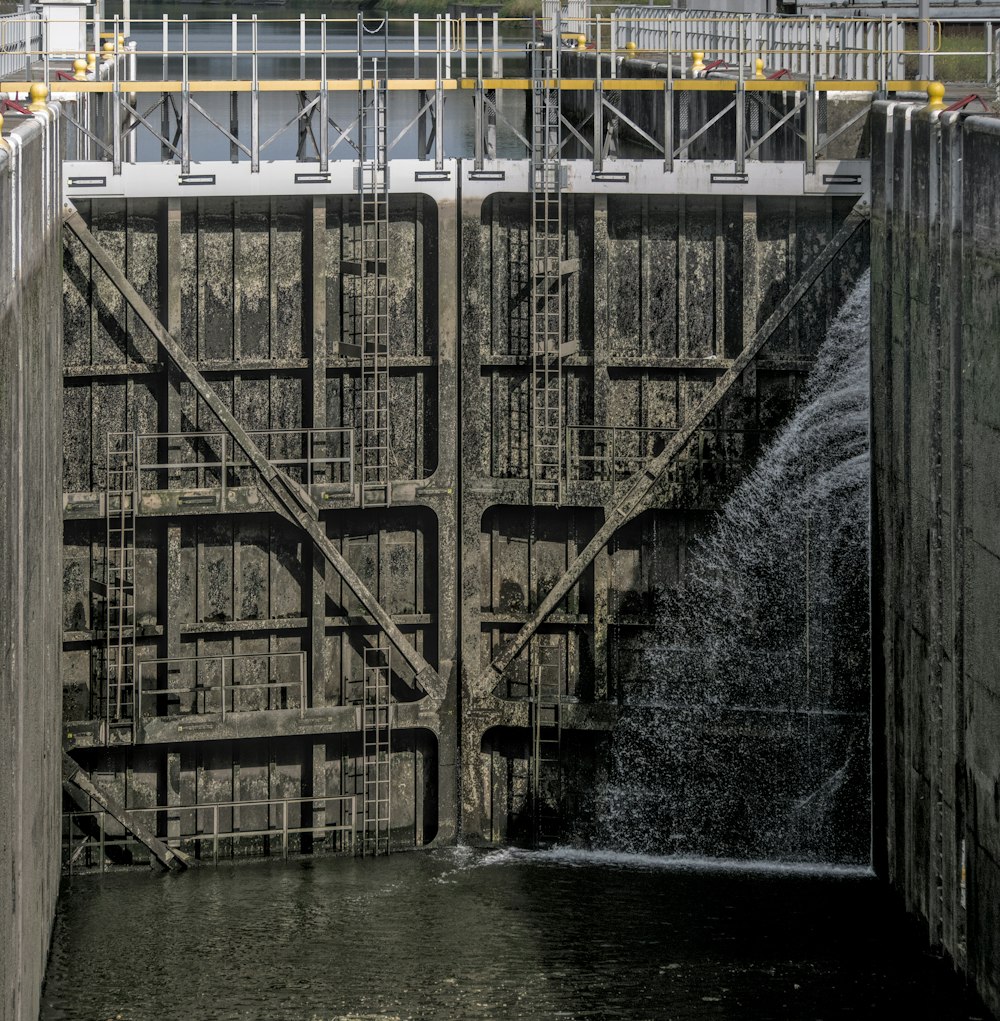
(287, 495)
(641, 484)
(83, 791)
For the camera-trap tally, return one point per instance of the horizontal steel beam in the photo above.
(95, 180)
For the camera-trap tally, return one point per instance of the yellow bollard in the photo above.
(79, 70)
(698, 61)
(108, 49)
(935, 96)
(581, 42)
(121, 41)
(630, 48)
(2, 143)
(91, 62)
(758, 71)
(38, 93)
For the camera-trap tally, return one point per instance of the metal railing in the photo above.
(98, 835)
(212, 461)
(613, 454)
(186, 109)
(220, 685)
(20, 38)
(817, 47)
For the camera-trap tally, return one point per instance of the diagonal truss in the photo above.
(633, 499)
(85, 794)
(287, 496)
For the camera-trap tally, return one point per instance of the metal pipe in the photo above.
(925, 66)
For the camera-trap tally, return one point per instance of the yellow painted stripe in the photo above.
(466, 84)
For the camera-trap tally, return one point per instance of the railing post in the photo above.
(613, 48)
(598, 125)
(254, 102)
(284, 829)
(302, 46)
(439, 99)
(480, 125)
(101, 846)
(668, 119)
(740, 97)
(462, 38)
(447, 46)
(165, 153)
(416, 45)
(324, 101)
(185, 104)
(116, 105)
(810, 141)
(215, 834)
(234, 99)
(223, 660)
(496, 70)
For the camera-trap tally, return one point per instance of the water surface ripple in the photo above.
(462, 934)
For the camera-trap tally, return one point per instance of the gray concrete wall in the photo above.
(936, 524)
(30, 539)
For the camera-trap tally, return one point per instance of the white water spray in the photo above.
(747, 736)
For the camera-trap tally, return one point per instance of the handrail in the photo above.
(319, 468)
(345, 803)
(482, 42)
(226, 684)
(20, 38)
(618, 452)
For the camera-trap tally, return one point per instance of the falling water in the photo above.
(747, 734)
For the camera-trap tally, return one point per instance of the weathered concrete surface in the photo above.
(30, 540)
(936, 524)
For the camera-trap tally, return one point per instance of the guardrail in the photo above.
(211, 460)
(613, 454)
(812, 47)
(20, 38)
(459, 55)
(219, 685)
(97, 835)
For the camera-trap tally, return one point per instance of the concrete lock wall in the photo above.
(936, 531)
(30, 538)
(668, 291)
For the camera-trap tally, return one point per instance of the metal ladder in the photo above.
(119, 580)
(373, 194)
(547, 437)
(376, 726)
(546, 752)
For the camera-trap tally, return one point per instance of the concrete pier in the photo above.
(31, 541)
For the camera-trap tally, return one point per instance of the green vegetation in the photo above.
(963, 66)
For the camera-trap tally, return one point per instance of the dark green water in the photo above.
(461, 934)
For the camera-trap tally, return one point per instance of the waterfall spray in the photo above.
(746, 734)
